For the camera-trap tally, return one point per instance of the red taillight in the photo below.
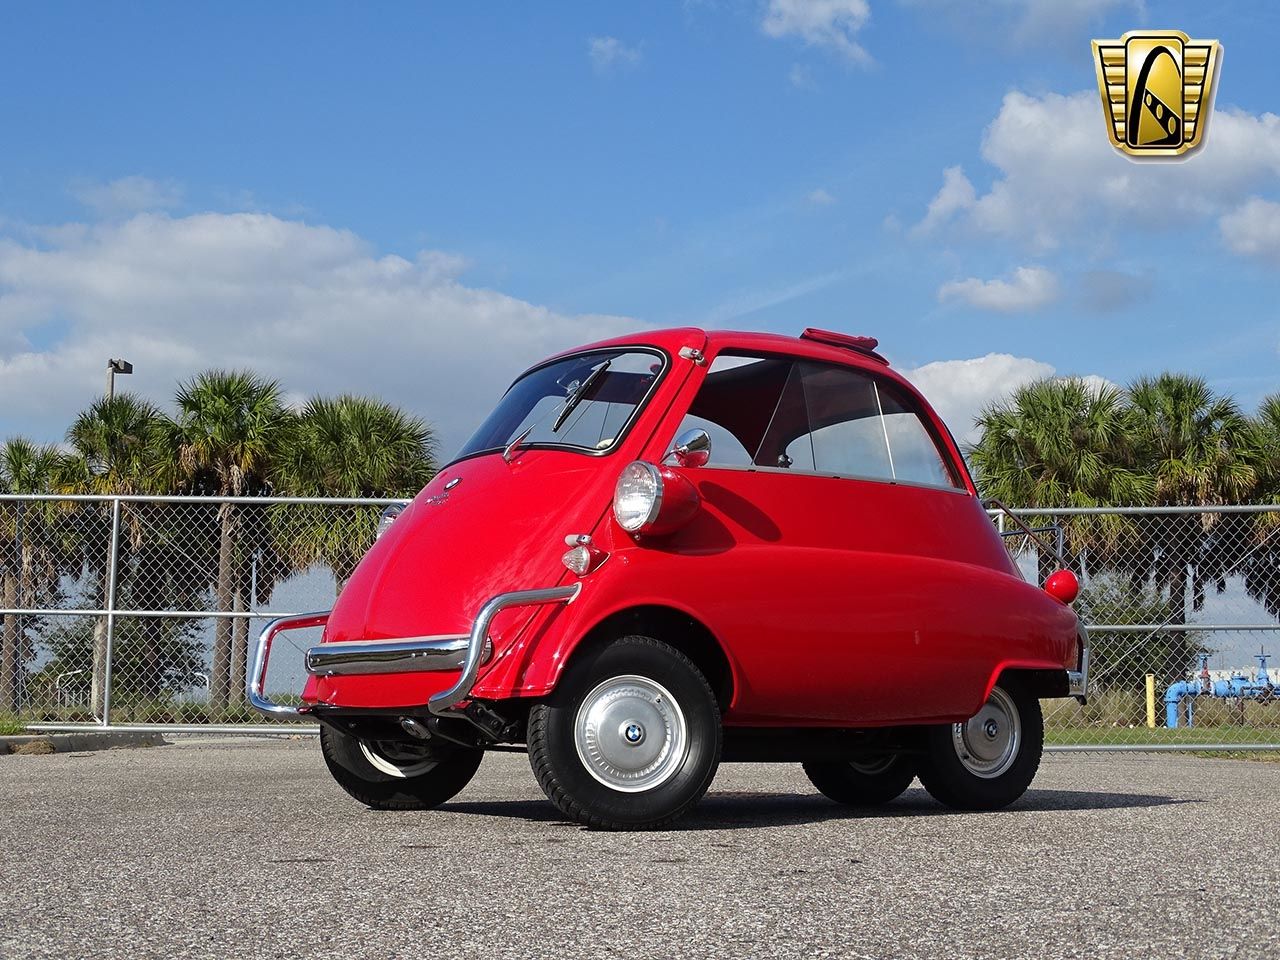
(1062, 585)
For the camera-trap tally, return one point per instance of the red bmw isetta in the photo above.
(669, 550)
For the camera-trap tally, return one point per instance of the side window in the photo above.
(736, 405)
(814, 418)
(916, 457)
(861, 426)
(844, 423)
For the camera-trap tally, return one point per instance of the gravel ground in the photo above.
(213, 848)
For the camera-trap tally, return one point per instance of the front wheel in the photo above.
(630, 740)
(391, 775)
(989, 760)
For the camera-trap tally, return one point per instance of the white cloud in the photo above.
(1059, 180)
(833, 24)
(1027, 23)
(1030, 288)
(821, 198)
(609, 52)
(1040, 21)
(960, 389)
(311, 305)
(956, 194)
(1253, 229)
(127, 195)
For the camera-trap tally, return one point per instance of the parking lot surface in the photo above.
(231, 848)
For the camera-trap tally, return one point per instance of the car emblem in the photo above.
(443, 497)
(1157, 90)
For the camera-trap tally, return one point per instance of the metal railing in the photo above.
(138, 611)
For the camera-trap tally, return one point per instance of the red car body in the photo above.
(813, 600)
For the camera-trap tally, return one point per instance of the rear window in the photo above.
(584, 402)
(812, 417)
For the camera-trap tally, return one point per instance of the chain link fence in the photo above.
(141, 610)
(135, 610)
(1183, 610)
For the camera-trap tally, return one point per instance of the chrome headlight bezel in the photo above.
(637, 496)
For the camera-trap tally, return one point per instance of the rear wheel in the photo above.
(392, 775)
(630, 740)
(862, 783)
(989, 760)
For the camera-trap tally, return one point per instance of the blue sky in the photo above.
(419, 200)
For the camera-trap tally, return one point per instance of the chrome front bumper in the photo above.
(464, 652)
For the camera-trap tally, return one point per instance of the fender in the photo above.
(533, 664)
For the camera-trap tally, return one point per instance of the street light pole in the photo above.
(115, 366)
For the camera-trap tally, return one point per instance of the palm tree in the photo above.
(348, 446)
(1268, 426)
(226, 439)
(117, 451)
(1261, 561)
(29, 549)
(1062, 443)
(1197, 449)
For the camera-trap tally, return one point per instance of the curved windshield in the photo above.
(585, 401)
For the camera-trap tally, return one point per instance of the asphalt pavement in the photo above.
(239, 848)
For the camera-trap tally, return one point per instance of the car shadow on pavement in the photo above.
(737, 811)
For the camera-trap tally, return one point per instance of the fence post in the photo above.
(111, 609)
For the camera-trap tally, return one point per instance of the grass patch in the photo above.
(11, 725)
(162, 711)
(1160, 736)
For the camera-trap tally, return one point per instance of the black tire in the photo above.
(959, 781)
(452, 769)
(862, 783)
(661, 687)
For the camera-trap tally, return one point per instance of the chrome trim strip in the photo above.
(257, 676)
(443, 701)
(407, 655)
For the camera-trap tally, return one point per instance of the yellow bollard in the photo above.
(1151, 700)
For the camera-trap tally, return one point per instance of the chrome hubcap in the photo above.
(399, 760)
(988, 742)
(631, 734)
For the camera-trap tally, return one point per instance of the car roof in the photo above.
(672, 339)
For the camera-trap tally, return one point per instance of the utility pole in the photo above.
(113, 367)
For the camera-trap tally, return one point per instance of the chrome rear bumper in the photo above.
(464, 652)
(410, 655)
(1078, 680)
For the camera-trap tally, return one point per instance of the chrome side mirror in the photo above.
(691, 449)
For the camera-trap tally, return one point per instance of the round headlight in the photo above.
(637, 498)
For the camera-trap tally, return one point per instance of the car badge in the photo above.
(444, 497)
(1157, 91)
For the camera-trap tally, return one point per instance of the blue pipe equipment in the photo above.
(1237, 687)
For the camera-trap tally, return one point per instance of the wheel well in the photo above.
(1044, 684)
(687, 634)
